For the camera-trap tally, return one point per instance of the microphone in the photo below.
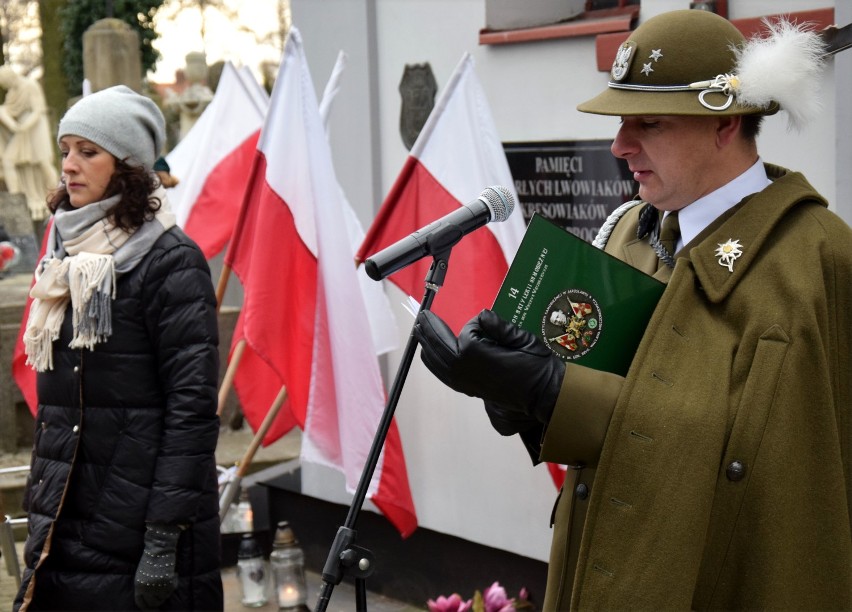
(493, 204)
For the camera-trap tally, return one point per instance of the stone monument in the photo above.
(25, 139)
(111, 55)
(189, 103)
(17, 224)
(16, 422)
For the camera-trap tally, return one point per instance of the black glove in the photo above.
(511, 369)
(508, 421)
(155, 576)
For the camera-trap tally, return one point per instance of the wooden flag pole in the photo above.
(233, 485)
(237, 355)
(222, 285)
(228, 379)
(245, 462)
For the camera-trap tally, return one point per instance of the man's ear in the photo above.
(727, 129)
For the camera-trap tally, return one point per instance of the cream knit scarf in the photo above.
(85, 254)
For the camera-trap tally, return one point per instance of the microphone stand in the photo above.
(344, 554)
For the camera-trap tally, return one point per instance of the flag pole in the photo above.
(228, 379)
(222, 285)
(233, 485)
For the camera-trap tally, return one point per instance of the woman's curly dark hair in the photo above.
(135, 184)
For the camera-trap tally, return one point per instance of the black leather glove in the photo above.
(507, 420)
(155, 576)
(511, 369)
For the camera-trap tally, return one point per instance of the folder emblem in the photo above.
(572, 323)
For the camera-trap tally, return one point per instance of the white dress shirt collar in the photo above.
(696, 216)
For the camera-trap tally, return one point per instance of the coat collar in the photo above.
(751, 223)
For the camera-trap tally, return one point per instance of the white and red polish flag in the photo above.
(213, 160)
(457, 154)
(303, 316)
(379, 311)
(455, 157)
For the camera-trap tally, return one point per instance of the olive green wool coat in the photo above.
(716, 474)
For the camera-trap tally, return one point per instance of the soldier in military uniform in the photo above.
(716, 473)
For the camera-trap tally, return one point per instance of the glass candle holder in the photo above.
(288, 569)
(252, 572)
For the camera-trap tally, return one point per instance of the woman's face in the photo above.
(86, 170)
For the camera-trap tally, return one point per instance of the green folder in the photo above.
(586, 305)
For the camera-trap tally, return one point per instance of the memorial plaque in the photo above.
(15, 219)
(575, 184)
(417, 88)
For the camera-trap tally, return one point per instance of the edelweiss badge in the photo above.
(623, 57)
(728, 252)
(571, 324)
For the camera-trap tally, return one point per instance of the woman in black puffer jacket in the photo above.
(122, 497)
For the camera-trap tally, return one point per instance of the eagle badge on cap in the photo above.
(623, 58)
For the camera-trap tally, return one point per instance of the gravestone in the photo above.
(15, 219)
(111, 55)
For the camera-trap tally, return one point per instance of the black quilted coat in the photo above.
(125, 434)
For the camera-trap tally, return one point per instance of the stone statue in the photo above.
(26, 142)
(191, 102)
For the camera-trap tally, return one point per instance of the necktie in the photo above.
(670, 232)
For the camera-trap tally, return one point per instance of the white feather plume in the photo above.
(785, 66)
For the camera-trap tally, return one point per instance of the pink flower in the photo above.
(453, 603)
(495, 599)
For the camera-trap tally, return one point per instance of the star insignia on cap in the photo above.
(646, 69)
(656, 54)
(728, 252)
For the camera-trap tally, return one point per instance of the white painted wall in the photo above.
(466, 479)
(842, 137)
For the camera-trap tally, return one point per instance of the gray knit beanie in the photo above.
(128, 125)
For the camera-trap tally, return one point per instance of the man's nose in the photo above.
(624, 144)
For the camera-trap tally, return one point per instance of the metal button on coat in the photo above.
(76, 428)
(735, 471)
(582, 491)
